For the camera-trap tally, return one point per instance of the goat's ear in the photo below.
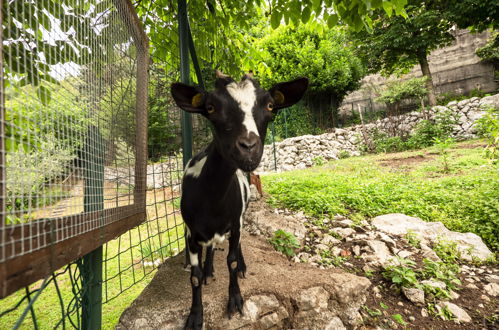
(188, 98)
(288, 93)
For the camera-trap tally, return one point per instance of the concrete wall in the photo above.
(455, 69)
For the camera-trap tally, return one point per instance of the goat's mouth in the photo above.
(248, 163)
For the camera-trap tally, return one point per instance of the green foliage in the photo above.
(490, 52)
(294, 121)
(399, 319)
(447, 250)
(343, 154)
(318, 161)
(284, 242)
(464, 201)
(31, 65)
(397, 44)
(446, 272)
(488, 127)
(443, 147)
(397, 91)
(426, 133)
(402, 274)
(413, 239)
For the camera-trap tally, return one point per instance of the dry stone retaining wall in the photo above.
(303, 151)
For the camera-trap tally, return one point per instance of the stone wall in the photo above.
(456, 69)
(303, 151)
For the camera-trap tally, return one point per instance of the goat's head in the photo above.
(240, 112)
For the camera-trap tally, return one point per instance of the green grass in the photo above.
(126, 276)
(465, 197)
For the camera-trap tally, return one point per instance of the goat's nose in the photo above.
(246, 144)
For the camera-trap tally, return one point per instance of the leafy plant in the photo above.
(284, 242)
(413, 239)
(343, 154)
(443, 147)
(318, 161)
(488, 127)
(402, 274)
(399, 319)
(445, 272)
(447, 250)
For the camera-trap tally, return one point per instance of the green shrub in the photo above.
(284, 242)
(488, 127)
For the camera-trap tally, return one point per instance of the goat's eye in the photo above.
(210, 108)
(270, 106)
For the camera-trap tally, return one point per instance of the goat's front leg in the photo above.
(195, 319)
(233, 261)
(241, 265)
(208, 264)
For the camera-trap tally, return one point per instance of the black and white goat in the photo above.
(215, 190)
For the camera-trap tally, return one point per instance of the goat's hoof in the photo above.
(194, 321)
(207, 279)
(241, 274)
(235, 303)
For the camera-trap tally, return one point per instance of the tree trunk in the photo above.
(425, 69)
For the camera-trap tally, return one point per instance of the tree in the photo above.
(397, 44)
(323, 55)
(218, 27)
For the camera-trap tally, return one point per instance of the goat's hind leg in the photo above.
(208, 264)
(195, 319)
(235, 298)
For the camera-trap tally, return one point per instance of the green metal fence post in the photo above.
(91, 268)
(183, 32)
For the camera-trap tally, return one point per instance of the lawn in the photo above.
(457, 186)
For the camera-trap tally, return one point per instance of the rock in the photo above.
(381, 255)
(414, 295)
(258, 305)
(344, 232)
(484, 297)
(412, 318)
(321, 247)
(492, 289)
(356, 250)
(492, 279)
(346, 223)
(434, 284)
(335, 324)
(314, 298)
(330, 240)
(429, 253)
(453, 295)
(471, 286)
(424, 312)
(400, 224)
(460, 314)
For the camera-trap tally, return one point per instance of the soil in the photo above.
(405, 161)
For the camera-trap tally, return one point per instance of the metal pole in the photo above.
(91, 268)
(183, 33)
(273, 145)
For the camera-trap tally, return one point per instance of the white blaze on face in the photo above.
(244, 94)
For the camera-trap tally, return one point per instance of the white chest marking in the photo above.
(196, 169)
(245, 190)
(217, 239)
(244, 94)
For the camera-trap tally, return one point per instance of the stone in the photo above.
(315, 298)
(356, 250)
(471, 286)
(330, 240)
(414, 295)
(424, 312)
(335, 324)
(381, 255)
(344, 232)
(484, 297)
(434, 284)
(258, 305)
(346, 223)
(492, 289)
(492, 278)
(460, 314)
(399, 224)
(321, 247)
